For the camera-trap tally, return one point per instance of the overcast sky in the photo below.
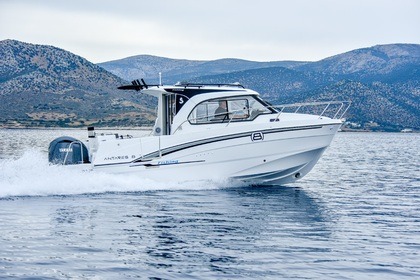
(262, 30)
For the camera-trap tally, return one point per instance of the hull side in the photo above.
(277, 158)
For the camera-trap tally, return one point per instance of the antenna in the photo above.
(160, 78)
(144, 83)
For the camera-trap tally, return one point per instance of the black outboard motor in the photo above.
(67, 150)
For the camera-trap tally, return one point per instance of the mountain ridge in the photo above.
(174, 70)
(44, 85)
(370, 88)
(381, 59)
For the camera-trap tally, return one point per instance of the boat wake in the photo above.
(31, 175)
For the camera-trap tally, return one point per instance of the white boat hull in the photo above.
(281, 157)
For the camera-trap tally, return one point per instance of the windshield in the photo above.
(238, 108)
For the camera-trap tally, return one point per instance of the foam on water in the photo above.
(31, 175)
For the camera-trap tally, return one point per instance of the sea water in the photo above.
(355, 216)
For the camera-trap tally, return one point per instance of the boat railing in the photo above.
(70, 149)
(331, 109)
(200, 85)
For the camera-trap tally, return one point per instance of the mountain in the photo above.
(273, 82)
(390, 107)
(45, 85)
(48, 86)
(174, 70)
(367, 63)
(147, 67)
(383, 83)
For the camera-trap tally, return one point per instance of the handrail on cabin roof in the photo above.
(141, 84)
(182, 84)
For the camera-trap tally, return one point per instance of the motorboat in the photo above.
(211, 131)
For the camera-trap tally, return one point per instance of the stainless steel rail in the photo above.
(69, 148)
(337, 111)
(337, 108)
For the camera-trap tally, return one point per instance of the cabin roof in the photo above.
(186, 89)
(192, 91)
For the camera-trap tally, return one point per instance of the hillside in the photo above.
(147, 67)
(48, 86)
(174, 70)
(392, 106)
(383, 82)
(367, 63)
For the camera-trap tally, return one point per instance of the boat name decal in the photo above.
(166, 162)
(120, 157)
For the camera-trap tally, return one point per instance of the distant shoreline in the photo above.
(148, 128)
(79, 128)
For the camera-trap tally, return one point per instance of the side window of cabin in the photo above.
(204, 112)
(239, 109)
(257, 108)
(234, 109)
(220, 110)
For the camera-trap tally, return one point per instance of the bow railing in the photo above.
(331, 109)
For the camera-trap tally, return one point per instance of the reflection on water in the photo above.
(214, 231)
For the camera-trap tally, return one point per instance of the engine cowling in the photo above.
(67, 150)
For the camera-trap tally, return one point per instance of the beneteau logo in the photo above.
(257, 136)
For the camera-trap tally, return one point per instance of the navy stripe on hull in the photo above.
(166, 151)
(180, 147)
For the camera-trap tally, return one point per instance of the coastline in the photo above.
(79, 128)
(148, 128)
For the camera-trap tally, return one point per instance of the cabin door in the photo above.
(174, 104)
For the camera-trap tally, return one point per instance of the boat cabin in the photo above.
(202, 104)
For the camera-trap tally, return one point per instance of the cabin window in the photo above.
(231, 109)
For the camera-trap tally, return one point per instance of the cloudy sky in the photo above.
(262, 30)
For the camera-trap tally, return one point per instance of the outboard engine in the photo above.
(67, 150)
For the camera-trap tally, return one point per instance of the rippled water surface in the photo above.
(355, 216)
